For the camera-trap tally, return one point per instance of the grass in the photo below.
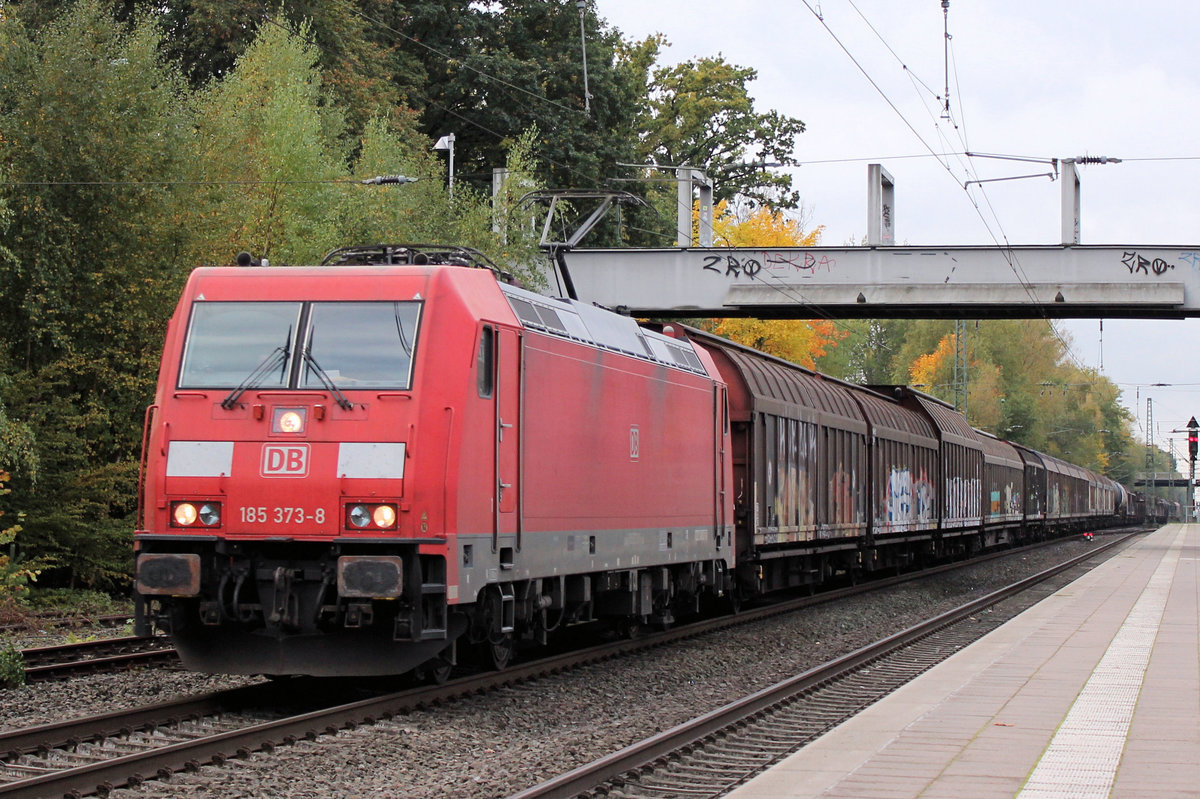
(35, 607)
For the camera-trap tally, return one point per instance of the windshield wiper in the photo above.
(278, 357)
(325, 379)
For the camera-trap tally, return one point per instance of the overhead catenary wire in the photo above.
(1001, 238)
(910, 72)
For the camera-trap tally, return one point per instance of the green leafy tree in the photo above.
(700, 112)
(93, 129)
(867, 354)
(17, 453)
(266, 152)
(281, 184)
(488, 72)
(204, 38)
(424, 211)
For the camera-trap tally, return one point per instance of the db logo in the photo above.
(289, 460)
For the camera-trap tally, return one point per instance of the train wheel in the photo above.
(498, 654)
(436, 670)
(628, 627)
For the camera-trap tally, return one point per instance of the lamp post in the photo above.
(447, 143)
(587, 95)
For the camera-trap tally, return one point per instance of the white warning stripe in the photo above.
(1082, 759)
(199, 458)
(371, 460)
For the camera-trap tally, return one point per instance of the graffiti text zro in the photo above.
(1139, 263)
(733, 266)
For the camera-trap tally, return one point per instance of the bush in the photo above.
(12, 668)
(67, 602)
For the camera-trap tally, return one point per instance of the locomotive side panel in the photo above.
(621, 458)
(603, 429)
(608, 477)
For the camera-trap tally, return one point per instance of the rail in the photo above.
(627, 766)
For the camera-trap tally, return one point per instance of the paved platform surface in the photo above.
(1093, 692)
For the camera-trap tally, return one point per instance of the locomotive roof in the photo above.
(588, 324)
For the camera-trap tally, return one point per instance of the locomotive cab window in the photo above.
(486, 362)
(228, 342)
(305, 345)
(360, 344)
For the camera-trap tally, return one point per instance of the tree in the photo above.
(489, 71)
(700, 113)
(204, 38)
(423, 211)
(928, 371)
(798, 341)
(92, 144)
(867, 354)
(93, 132)
(266, 154)
(1022, 387)
(761, 226)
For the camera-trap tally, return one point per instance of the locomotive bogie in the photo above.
(266, 597)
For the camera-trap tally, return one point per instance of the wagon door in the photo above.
(509, 381)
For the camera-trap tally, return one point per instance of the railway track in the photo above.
(110, 654)
(716, 752)
(99, 753)
(50, 621)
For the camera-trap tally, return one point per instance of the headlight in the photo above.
(384, 516)
(289, 420)
(196, 514)
(185, 514)
(361, 516)
(210, 514)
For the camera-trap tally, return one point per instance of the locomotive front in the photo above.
(284, 526)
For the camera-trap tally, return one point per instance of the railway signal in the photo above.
(1193, 429)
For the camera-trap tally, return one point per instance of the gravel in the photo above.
(495, 745)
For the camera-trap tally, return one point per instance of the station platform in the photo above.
(1093, 692)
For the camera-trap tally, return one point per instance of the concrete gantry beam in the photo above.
(878, 282)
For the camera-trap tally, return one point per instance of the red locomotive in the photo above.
(350, 468)
(362, 467)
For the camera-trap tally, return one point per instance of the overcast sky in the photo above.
(1034, 78)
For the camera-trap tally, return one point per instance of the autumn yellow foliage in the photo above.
(924, 370)
(762, 227)
(797, 340)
